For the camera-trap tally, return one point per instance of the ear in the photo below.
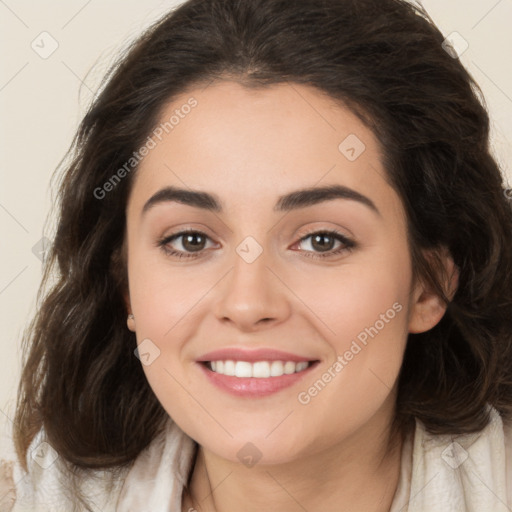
(427, 307)
(130, 319)
(118, 269)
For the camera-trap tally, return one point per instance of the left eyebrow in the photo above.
(311, 196)
(291, 201)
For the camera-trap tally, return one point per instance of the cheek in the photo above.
(164, 297)
(353, 297)
(363, 311)
(366, 304)
(167, 302)
(164, 302)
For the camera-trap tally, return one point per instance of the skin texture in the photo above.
(248, 147)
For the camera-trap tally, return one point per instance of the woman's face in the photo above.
(263, 271)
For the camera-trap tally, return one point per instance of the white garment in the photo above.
(464, 473)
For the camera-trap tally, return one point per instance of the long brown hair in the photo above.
(385, 59)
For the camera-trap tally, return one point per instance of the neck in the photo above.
(360, 473)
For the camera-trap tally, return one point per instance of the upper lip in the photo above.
(260, 354)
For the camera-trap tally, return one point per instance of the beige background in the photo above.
(43, 99)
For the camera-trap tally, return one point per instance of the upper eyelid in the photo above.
(176, 236)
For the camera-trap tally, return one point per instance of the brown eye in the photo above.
(322, 242)
(325, 243)
(185, 244)
(193, 241)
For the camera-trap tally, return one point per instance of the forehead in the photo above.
(246, 144)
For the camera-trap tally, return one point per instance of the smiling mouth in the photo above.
(258, 369)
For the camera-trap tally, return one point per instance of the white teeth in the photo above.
(301, 366)
(243, 369)
(289, 367)
(260, 369)
(229, 368)
(277, 369)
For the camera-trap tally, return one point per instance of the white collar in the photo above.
(439, 473)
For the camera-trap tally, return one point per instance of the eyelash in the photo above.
(347, 244)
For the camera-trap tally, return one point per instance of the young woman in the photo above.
(283, 276)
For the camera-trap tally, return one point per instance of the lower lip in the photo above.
(253, 387)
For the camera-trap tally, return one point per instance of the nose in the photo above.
(252, 295)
